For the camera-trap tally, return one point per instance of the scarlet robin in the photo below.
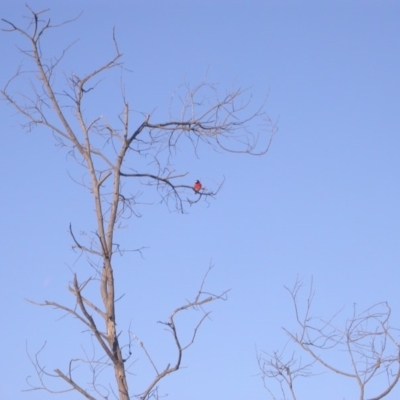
(197, 186)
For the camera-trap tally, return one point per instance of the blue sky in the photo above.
(323, 202)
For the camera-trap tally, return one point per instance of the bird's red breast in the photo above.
(197, 186)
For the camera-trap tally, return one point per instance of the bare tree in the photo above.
(112, 155)
(365, 349)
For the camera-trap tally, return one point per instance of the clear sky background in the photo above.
(323, 202)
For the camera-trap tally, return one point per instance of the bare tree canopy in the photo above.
(112, 155)
(365, 346)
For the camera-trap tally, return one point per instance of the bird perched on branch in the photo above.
(197, 186)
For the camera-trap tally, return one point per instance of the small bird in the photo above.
(197, 186)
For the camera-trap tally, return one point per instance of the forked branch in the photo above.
(201, 299)
(365, 346)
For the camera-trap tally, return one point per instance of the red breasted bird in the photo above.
(197, 186)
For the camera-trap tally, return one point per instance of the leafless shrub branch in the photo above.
(368, 341)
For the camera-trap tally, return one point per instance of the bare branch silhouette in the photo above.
(366, 343)
(117, 159)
